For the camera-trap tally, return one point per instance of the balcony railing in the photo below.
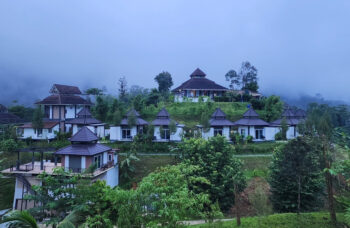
(102, 168)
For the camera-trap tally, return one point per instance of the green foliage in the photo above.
(117, 117)
(132, 119)
(233, 78)
(37, 120)
(94, 91)
(278, 136)
(249, 139)
(273, 108)
(288, 220)
(101, 108)
(172, 127)
(249, 75)
(296, 174)
(218, 166)
(25, 113)
(8, 145)
(284, 129)
(164, 81)
(20, 219)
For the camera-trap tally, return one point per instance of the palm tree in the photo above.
(21, 219)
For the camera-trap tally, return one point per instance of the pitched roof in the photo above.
(133, 112)
(65, 89)
(163, 118)
(218, 113)
(198, 73)
(47, 124)
(85, 112)
(83, 149)
(61, 99)
(84, 135)
(250, 118)
(198, 81)
(163, 113)
(83, 121)
(9, 118)
(288, 113)
(139, 121)
(300, 113)
(289, 121)
(251, 113)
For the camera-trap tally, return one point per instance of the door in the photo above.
(75, 163)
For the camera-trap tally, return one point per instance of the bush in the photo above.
(278, 136)
(8, 145)
(249, 139)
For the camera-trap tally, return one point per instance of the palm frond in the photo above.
(22, 218)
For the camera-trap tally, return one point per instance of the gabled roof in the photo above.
(218, 118)
(64, 89)
(61, 99)
(139, 121)
(84, 135)
(198, 73)
(198, 81)
(46, 124)
(84, 118)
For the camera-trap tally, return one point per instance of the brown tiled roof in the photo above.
(84, 135)
(83, 149)
(60, 99)
(9, 118)
(218, 113)
(47, 124)
(163, 113)
(83, 121)
(251, 113)
(133, 112)
(199, 82)
(289, 121)
(66, 89)
(85, 112)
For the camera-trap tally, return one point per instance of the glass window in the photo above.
(126, 133)
(217, 131)
(110, 157)
(259, 133)
(243, 132)
(40, 131)
(50, 130)
(98, 160)
(166, 133)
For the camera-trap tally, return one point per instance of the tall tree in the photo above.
(38, 116)
(319, 126)
(94, 91)
(273, 108)
(296, 177)
(249, 76)
(122, 83)
(101, 108)
(234, 79)
(164, 81)
(218, 166)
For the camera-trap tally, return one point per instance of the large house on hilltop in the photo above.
(83, 152)
(198, 85)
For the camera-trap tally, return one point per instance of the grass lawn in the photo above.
(256, 166)
(288, 220)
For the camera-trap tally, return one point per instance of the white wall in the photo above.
(177, 135)
(115, 133)
(70, 111)
(29, 132)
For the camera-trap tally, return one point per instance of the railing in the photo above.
(81, 170)
(25, 168)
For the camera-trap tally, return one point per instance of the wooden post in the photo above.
(42, 160)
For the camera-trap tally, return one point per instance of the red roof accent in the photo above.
(65, 89)
(61, 99)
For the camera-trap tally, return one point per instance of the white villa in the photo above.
(125, 132)
(219, 125)
(198, 86)
(82, 153)
(84, 118)
(161, 128)
(46, 133)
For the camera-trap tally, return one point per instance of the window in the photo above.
(140, 130)
(243, 132)
(166, 133)
(110, 157)
(217, 131)
(50, 130)
(259, 133)
(98, 161)
(126, 133)
(39, 131)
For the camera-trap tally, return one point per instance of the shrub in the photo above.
(249, 139)
(278, 136)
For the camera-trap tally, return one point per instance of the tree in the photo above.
(218, 166)
(94, 91)
(249, 76)
(319, 127)
(122, 83)
(132, 119)
(284, 128)
(233, 78)
(38, 116)
(164, 81)
(273, 108)
(153, 97)
(20, 219)
(101, 108)
(172, 127)
(296, 183)
(169, 200)
(117, 117)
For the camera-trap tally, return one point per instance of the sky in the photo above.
(299, 47)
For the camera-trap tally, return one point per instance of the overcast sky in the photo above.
(297, 46)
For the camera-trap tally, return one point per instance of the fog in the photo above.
(298, 47)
